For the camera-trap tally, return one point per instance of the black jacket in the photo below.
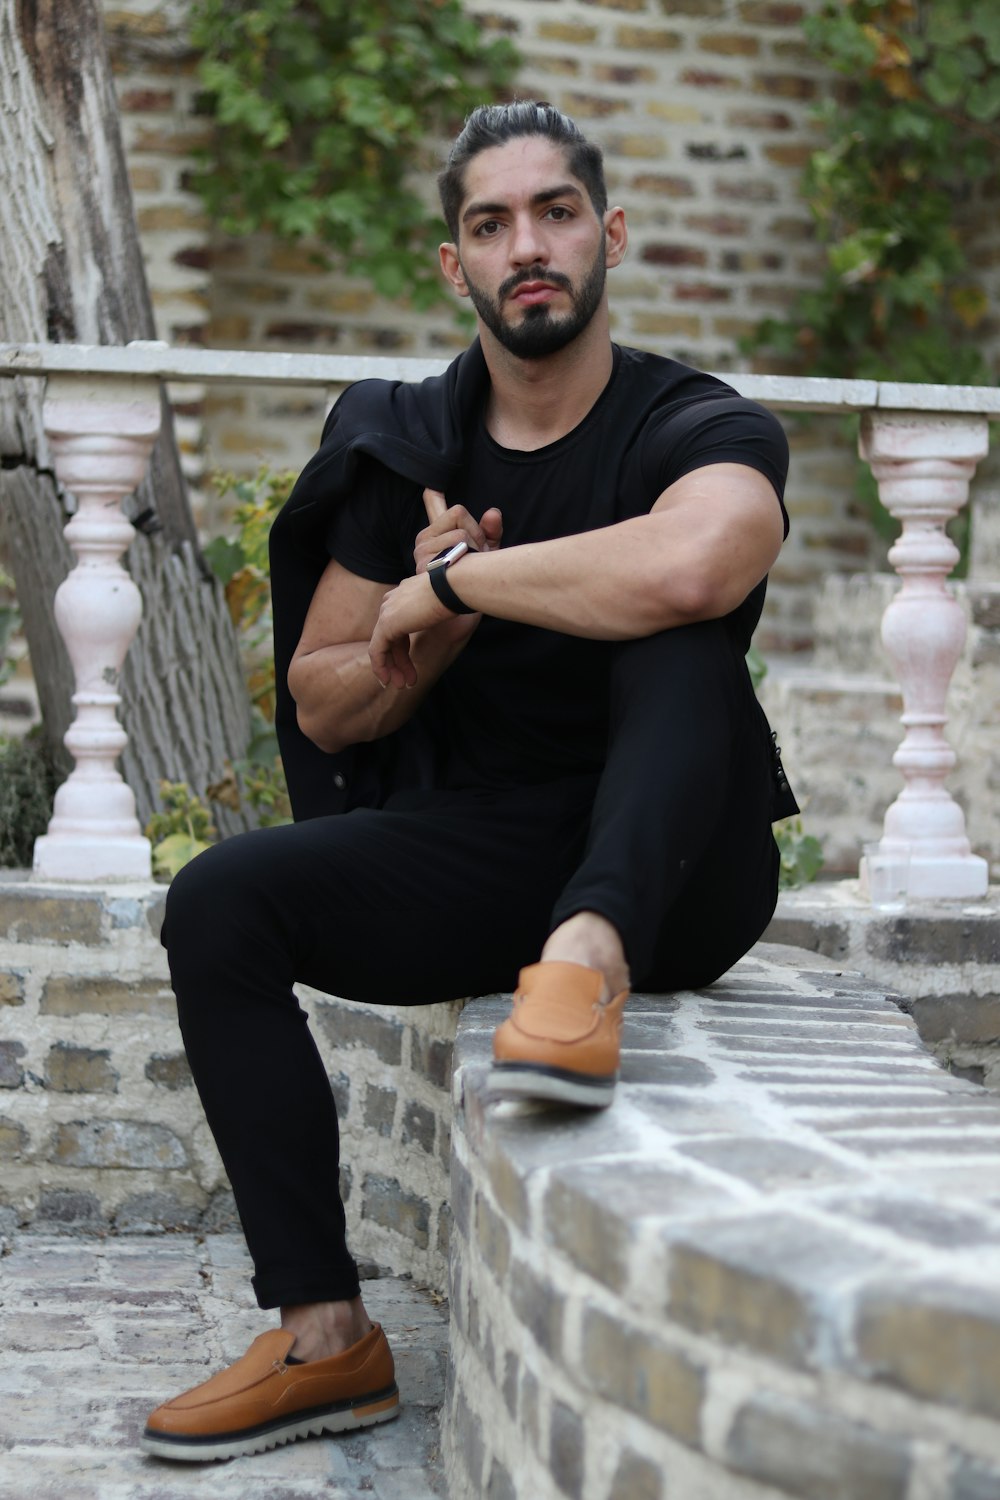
(417, 431)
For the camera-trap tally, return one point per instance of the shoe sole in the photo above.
(235, 1445)
(553, 1085)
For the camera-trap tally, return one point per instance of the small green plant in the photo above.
(801, 854)
(240, 562)
(183, 829)
(320, 113)
(28, 781)
(10, 620)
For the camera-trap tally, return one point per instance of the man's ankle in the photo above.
(588, 938)
(324, 1329)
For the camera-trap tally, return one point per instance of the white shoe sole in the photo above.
(204, 1450)
(535, 1081)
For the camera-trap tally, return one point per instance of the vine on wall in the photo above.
(910, 137)
(321, 111)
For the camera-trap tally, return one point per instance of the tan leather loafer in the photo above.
(561, 1042)
(261, 1402)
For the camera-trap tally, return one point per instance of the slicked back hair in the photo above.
(495, 125)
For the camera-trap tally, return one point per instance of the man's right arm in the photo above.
(338, 699)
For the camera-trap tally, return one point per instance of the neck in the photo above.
(534, 402)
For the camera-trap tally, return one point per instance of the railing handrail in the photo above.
(250, 367)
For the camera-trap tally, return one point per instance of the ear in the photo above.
(616, 232)
(451, 266)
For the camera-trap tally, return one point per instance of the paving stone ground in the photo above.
(95, 1333)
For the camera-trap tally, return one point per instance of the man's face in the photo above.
(531, 251)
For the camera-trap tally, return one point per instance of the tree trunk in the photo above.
(71, 269)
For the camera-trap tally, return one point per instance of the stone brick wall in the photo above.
(100, 1125)
(770, 1268)
(703, 107)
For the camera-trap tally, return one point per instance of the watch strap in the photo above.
(441, 584)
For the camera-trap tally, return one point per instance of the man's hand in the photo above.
(413, 606)
(410, 607)
(451, 524)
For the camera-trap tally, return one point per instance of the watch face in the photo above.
(449, 555)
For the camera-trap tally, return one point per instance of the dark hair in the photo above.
(495, 125)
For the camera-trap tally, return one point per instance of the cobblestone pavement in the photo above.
(96, 1332)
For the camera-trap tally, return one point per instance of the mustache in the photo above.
(533, 273)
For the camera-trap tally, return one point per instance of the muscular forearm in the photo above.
(340, 702)
(624, 581)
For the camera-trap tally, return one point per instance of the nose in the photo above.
(527, 242)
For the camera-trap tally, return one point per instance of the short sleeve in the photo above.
(371, 533)
(715, 430)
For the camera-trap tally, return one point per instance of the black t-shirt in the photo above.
(520, 704)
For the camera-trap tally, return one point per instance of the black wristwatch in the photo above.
(437, 572)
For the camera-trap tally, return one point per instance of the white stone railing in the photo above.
(101, 416)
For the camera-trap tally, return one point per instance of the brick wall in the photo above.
(703, 110)
(100, 1125)
(703, 107)
(769, 1269)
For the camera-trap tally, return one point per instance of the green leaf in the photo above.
(224, 557)
(174, 852)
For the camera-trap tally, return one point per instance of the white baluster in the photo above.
(923, 465)
(101, 432)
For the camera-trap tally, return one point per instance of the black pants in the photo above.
(447, 894)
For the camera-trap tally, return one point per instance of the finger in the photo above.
(434, 504)
(492, 528)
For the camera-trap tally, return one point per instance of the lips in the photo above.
(531, 292)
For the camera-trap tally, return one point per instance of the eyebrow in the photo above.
(547, 195)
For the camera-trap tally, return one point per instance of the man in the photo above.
(512, 606)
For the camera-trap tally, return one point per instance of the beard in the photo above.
(541, 332)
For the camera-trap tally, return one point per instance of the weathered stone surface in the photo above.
(12, 986)
(419, 1123)
(925, 939)
(765, 1281)
(539, 1305)
(386, 1202)
(494, 1239)
(152, 1213)
(636, 1478)
(671, 1071)
(973, 1480)
(431, 1057)
(80, 1070)
(767, 1162)
(13, 1139)
(594, 1212)
(938, 1340)
(170, 1070)
(566, 1449)
(469, 1440)
(72, 995)
(66, 1209)
(116, 1143)
(380, 1109)
(809, 1452)
(948, 1226)
(350, 1026)
(46, 917)
(641, 1372)
(11, 1072)
(959, 1018)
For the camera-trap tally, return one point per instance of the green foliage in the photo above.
(320, 113)
(183, 829)
(10, 620)
(908, 137)
(801, 854)
(28, 783)
(240, 561)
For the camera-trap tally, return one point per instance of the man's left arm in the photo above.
(707, 542)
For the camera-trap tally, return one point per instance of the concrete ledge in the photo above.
(770, 1269)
